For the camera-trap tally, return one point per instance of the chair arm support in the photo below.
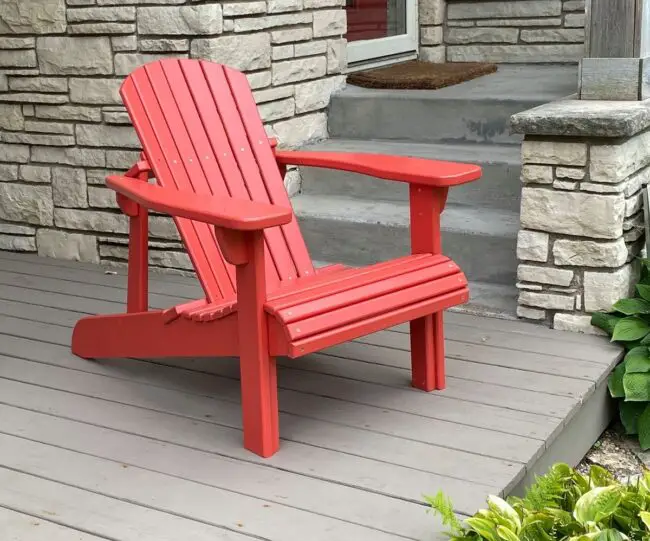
(222, 212)
(433, 173)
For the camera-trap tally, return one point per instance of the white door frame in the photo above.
(374, 49)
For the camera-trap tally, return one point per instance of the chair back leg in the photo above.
(428, 353)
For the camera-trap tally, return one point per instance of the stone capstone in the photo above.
(583, 118)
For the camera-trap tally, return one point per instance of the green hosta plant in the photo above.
(629, 325)
(562, 505)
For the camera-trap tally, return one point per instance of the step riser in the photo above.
(482, 258)
(416, 119)
(499, 187)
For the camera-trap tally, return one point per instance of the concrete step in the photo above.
(490, 300)
(361, 232)
(474, 111)
(499, 187)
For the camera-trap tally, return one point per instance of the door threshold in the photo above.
(380, 62)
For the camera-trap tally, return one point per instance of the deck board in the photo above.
(399, 398)
(18, 527)
(149, 450)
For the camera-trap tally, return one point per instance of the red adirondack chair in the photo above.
(220, 177)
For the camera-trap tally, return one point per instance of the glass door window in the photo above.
(378, 28)
(375, 19)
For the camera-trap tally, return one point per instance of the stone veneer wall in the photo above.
(582, 220)
(431, 18)
(62, 128)
(515, 30)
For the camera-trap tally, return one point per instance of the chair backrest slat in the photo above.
(200, 131)
(180, 114)
(227, 172)
(141, 100)
(268, 168)
(249, 169)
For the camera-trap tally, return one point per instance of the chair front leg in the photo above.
(138, 262)
(427, 334)
(259, 387)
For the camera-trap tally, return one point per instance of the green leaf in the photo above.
(536, 528)
(645, 271)
(483, 527)
(610, 535)
(597, 504)
(506, 534)
(629, 329)
(644, 429)
(632, 307)
(604, 321)
(615, 382)
(637, 387)
(645, 517)
(444, 508)
(505, 510)
(600, 477)
(630, 412)
(644, 291)
(637, 360)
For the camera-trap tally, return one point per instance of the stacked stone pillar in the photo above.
(431, 17)
(584, 166)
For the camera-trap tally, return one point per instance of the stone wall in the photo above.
(62, 126)
(431, 19)
(515, 30)
(582, 223)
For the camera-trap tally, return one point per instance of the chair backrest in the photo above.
(200, 130)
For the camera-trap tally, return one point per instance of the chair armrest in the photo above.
(224, 212)
(434, 173)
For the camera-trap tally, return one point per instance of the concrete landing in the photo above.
(475, 111)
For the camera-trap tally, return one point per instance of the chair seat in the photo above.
(366, 295)
(342, 298)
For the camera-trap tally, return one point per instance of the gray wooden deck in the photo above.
(151, 451)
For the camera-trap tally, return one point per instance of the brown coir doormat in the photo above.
(421, 75)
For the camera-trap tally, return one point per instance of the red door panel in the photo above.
(367, 19)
